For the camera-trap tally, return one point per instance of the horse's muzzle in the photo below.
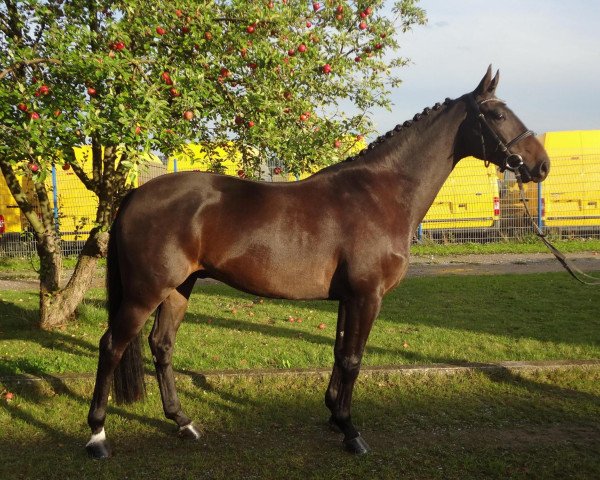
(538, 173)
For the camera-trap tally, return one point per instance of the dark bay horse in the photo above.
(343, 234)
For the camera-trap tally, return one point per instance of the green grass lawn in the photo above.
(476, 424)
(494, 425)
(425, 320)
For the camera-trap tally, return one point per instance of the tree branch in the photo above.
(24, 63)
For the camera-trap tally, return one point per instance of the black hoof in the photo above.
(99, 450)
(356, 446)
(189, 432)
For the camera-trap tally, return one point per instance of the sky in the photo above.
(547, 51)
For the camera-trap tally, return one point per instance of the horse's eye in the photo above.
(498, 115)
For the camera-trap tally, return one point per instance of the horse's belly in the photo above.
(293, 278)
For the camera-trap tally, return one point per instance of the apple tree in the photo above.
(274, 79)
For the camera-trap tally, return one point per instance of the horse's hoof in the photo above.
(98, 447)
(99, 450)
(189, 432)
(356, 446)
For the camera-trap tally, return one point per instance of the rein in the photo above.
(514, 162)
(574, 271)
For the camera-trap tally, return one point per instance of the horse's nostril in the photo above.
(544, 168)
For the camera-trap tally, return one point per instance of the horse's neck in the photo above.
(420, 159)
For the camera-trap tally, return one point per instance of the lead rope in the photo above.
(574, 271)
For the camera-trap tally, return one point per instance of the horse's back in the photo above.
(259, 237)
(306, 239)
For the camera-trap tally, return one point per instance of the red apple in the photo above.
(185, 29)
(250, 28)
(239, 120)
(91, 91)
(160, 30)
(241, 174)
(308, 24)
(34, 115)
(57, 113)
(362, 25)
(339, 9)
(174, 92)
(178, 12)
(167, 78)
(302, 48)
(44, 90)
(22, 107)
(357, 59)
(270, 5)
(303, 117)
(253, 66)
(291, 52)
(251, 124)
(326, 68)
(138, 129)
(368, 10)
(118, 46)
(363, 15)
(188, 115)
(34, 167)
(378, 46)
(316, 6)
(321, 326)
(337, 144)
(225, 72)
(66, 166)
(208, 36)
(277, 170)
(9, 395)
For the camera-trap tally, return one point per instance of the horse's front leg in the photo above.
(355, 319)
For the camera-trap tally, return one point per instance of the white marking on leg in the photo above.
(191, 429)
(97, 438)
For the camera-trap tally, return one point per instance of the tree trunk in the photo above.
(58, 306)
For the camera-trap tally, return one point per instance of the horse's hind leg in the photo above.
(128, 321)
(355, 319)
(162, 340)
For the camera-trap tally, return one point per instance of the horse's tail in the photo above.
(128, 381)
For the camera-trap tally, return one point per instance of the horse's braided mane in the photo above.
(398, 128)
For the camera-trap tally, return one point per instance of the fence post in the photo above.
(540, 204)
(420, 232)
(174, 165)
(55, 199)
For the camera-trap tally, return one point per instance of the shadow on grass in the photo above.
(544, 307)
(418, 427)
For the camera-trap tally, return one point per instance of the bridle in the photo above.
(512, 161)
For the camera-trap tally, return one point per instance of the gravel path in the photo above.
(496, 264)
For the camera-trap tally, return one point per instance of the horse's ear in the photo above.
(488, 85)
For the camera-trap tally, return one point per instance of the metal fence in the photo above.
(474, 205)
